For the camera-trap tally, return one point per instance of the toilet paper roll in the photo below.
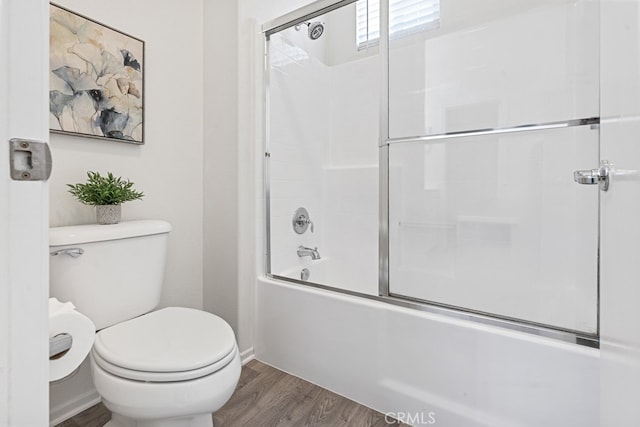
(64, 319)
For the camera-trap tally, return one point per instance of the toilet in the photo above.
(171, 367)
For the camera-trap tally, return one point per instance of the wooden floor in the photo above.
(265, 397)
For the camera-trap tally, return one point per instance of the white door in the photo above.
(24, 37)
(620, 214)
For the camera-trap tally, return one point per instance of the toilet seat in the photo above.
(171, 344)
(162, 377)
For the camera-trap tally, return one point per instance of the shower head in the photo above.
(315, 29)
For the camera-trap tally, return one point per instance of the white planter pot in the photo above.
(108, 214)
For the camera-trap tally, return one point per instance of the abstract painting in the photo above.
(96, 79)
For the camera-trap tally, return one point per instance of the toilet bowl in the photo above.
(171, 367)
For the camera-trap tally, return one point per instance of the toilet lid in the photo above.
(169, 341)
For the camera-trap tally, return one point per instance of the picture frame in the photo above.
(96, 79)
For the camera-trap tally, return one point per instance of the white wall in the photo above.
(168, 168)
(228, 170)
(220, 154)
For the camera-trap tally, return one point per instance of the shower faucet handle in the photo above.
(301, 221)
(308, 222)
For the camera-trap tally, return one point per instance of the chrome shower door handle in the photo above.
(586, 177)
(598, 176)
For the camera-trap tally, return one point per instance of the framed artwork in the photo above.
(96, 79)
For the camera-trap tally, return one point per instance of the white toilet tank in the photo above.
(111, 273)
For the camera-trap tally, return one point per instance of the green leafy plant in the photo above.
(104, 190)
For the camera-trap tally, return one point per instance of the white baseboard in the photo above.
(68, 410)
(247, 356)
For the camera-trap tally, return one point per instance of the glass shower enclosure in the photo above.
(422, 153)
(322, 153)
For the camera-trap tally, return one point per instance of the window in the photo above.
(405, 17)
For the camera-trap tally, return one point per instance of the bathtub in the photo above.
(425, 368)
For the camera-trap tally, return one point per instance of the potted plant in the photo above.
(106, 193)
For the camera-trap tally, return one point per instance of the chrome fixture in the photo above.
(598, 176)
(304, 251)
(305, 274)
(301, 221)
(314, 29)
(589, 121)
(72, 252)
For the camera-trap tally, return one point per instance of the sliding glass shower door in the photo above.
(322, 151)
(491, 109)
(421, 153)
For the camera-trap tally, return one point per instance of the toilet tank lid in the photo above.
(75, 234)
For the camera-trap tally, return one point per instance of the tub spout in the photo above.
(304, 251)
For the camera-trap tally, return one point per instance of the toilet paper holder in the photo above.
(59, 345)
